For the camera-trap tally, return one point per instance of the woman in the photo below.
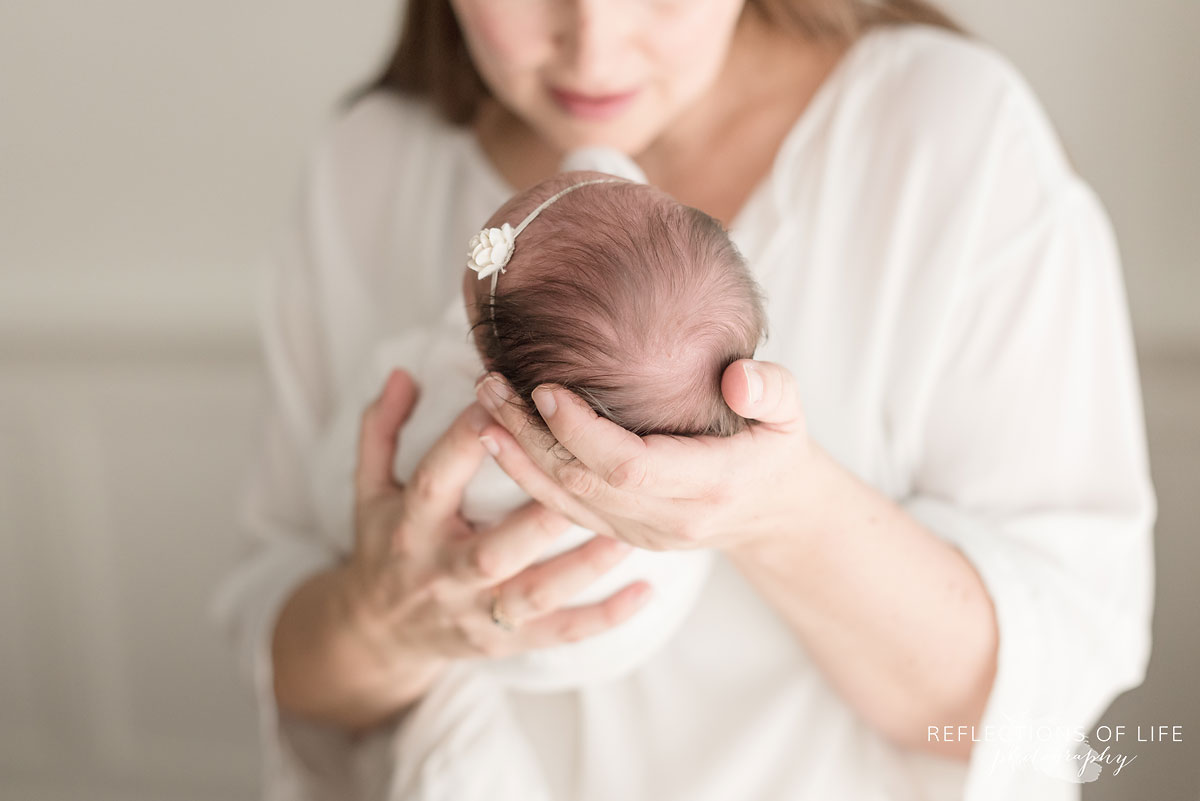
(938, 535)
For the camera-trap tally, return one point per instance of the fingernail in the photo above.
(489, 445)
(754, 382)
(543, 399)
(492, 394)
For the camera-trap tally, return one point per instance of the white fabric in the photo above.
(446, 365)
(603, 159)
(948, 294)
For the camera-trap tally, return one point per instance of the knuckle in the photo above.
(629, 475)
(424, 484)
(484, 562)
(579, 481)
(550, 444)
(573, 629)
(540, 600)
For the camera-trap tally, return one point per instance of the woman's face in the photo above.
(598, 72)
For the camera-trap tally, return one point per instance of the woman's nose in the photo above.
(593, 34)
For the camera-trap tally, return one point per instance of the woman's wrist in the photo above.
(787, 518)
(831, 572)
(332, 664)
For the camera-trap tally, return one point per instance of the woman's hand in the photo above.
(819, 545)
(422, 579)
(425, 578)
(661, 492)
(358, 643)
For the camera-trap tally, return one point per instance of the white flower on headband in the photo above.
(490, 249)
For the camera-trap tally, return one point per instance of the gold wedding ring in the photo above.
(499, 618)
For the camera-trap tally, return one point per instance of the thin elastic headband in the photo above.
(490, 250)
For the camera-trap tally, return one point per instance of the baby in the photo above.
(608, 287)
(619, 293)
(635, 302)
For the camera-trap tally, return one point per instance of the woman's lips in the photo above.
(592, 107)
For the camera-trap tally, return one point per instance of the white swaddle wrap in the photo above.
(445, 364)
(603, 159)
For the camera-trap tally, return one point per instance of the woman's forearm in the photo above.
(328, 669)
(898, 620)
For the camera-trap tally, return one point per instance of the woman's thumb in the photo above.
(763, 391)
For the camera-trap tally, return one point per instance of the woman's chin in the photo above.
(566, 132)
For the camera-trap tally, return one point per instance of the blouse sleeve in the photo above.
(282, 541)
(1033, 463)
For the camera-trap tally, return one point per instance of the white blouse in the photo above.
(948, 294)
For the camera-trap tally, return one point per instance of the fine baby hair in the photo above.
(620, 293)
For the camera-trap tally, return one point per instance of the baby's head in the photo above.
(623, 295)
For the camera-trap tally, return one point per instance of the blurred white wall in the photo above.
(149, 152)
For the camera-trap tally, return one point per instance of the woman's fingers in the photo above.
(545, 587)
(607, 457)
(380, 426)
(477, 636)
(606, 449)
(763, 391)
(614, 454)
(514, 460)
(434, 492)
(579, 622)
(502, 551)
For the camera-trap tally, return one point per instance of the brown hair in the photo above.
(632, 300)
(431, 58)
